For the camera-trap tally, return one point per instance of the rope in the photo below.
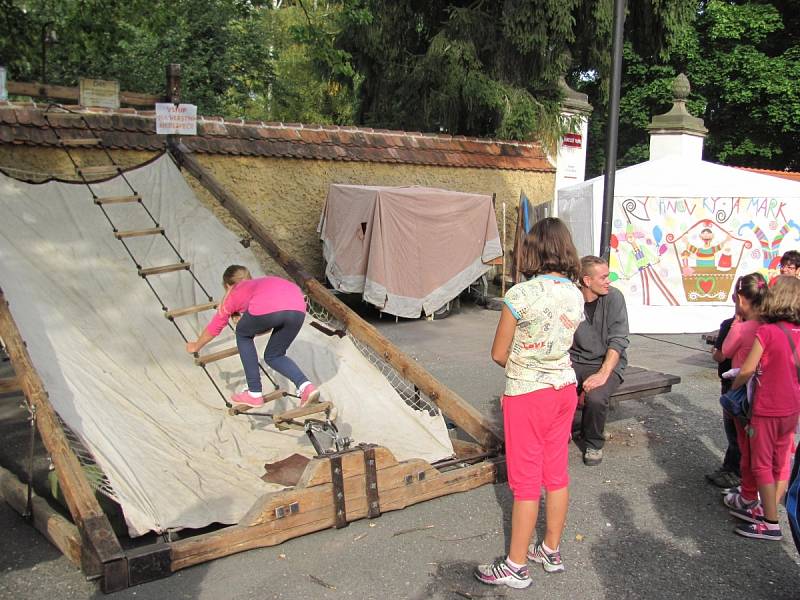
(650, 337)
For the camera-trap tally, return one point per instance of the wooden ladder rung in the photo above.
(302, 411)
(164, 269)
(81, 142)
(10, 385)
(138, 232)
(202, 361)
(190, 310)
(117, 199)
(102, 170)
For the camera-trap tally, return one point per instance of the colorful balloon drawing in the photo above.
(657, 234)
(614, 242)
(612, 277)
(662, 249)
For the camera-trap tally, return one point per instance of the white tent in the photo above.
(673, 280)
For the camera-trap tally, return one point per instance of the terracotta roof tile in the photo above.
(794, 176)
(128, 128)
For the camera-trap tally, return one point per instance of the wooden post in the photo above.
(102, 555)
(174, 83)
(457, 410)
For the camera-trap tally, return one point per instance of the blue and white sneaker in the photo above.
(500, 573)
(760, 531)
(753, 514)
(550, 561)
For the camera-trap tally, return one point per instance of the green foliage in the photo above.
(485, 68)
(742, 59)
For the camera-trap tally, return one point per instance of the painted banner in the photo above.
(690, 251)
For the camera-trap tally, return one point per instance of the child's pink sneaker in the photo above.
(246, 399)
(309, 394)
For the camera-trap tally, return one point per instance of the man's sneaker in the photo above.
(245, 399)
(735, 500)
(753, 514)
(759, 531)
(309, 394)
(723, 478)
(551, 561)
(499, 573)
(592, 457)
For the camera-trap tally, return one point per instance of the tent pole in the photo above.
(613, 128)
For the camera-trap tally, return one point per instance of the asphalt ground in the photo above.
(643, 524)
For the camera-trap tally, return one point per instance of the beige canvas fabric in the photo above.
(117, 371)
(408, 250)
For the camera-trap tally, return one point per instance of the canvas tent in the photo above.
(117, 372)
(673, 278)
(408, 250)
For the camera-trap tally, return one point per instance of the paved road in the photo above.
(642, 525)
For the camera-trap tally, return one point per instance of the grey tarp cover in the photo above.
(117, 371)
(407, 249)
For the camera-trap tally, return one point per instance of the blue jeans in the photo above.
(733, 455)
(285, 326)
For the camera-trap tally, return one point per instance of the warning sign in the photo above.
(98, 92)
(180, 119)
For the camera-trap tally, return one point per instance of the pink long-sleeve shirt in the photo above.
(258, 297)
(739, 341)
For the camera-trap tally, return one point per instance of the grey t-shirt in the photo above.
(606, 326)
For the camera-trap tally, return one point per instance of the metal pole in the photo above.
(613, 127)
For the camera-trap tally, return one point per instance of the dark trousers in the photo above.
(590, 419)
(285, 326)
(733, 455)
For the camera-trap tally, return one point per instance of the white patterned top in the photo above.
(548, 310)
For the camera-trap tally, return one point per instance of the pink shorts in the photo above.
(771, 448)
(537, 432)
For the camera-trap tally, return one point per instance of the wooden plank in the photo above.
(101, 549)
(164, 269)
(464, 415)
(117, 199)
(10, 385)
(138, 232)
(190, 310)
(99, 170)
(60, 92)
(237, 538)
(80, 141)
(301, 411)
(203, 360)
(55, 528)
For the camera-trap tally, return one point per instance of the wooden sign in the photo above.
(97, 92)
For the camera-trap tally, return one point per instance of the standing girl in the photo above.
(750, 292)
(257, 306)
(532, 342)
(776, 405)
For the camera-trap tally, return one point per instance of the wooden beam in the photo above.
(100, 170)
(457, 410)
(52, 525)
(138, 232)
(10, 385)
(102, 553)
(320, 515)
(182, 266)
(190, 310)
(117, 199)
(60, 92)
(203, 360)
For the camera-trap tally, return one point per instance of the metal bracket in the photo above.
(371, 477)
(285, 511)
(337, 479)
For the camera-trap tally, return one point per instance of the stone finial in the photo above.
(681, 88)
(678, 119)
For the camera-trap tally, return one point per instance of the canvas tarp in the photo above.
(661, 207)
(117, 371)
(408, 250)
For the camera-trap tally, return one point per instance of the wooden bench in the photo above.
(642, 383)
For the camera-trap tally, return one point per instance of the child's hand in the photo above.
(192, 347)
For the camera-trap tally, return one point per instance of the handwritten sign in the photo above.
(180, 120)
(97, 92)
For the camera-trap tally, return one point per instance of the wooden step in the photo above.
(138, 232)
(302, 411)
(164, 269)
(202, 361)
(117, 199)
(81, 142)
(102, 170)
(190, 310)
(243, 408)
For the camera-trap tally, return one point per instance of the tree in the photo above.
(485, 68)
(743, 61)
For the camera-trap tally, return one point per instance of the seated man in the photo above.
(598, 354)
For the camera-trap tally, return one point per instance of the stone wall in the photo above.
(287, 195)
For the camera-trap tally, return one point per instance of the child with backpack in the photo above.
(775, 404)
